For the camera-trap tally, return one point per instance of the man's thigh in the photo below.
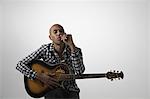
(60, 93)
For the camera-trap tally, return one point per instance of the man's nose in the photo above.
(59, 33)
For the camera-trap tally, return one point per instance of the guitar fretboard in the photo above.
(82, 76)
(85, 76)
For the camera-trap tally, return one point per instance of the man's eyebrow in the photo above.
(57, 29)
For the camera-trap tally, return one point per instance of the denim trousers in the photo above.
(60, 93)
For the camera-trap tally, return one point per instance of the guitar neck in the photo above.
(86, 76)
(82, 76)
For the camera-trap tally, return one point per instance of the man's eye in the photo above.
(55, 31)
(60, 31)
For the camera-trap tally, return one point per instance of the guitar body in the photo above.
(37, 89)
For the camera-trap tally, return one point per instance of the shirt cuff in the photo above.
(33, 76)
(76, 52)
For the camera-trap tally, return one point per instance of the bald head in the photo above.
(56, 26)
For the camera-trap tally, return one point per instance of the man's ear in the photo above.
(50, 37)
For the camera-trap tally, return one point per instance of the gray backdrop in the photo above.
(113, 35)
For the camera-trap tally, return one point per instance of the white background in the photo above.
(113, 35)
(0, 51)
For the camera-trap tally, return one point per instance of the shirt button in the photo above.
(62, 61)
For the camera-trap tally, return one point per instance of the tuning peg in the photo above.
(117, 71)
(111, 79)
(114, 71)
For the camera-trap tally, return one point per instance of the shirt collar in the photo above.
(52, 48)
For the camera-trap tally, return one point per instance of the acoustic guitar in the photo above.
(37, 89)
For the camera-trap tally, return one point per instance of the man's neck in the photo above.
(59, 48)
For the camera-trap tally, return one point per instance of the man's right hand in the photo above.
(48, 80)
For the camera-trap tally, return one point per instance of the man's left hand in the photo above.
(67, 39)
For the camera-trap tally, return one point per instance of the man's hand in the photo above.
(67, 39)
(47, 80)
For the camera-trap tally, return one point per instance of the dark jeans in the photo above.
(60, 93)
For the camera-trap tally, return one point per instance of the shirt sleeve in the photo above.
(77, 61)
(23, 67)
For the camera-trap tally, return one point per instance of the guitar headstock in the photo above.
(114, 75)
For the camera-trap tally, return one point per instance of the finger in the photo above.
(63, 37)
(56, 84)
(53, 79)
(50, 86)
(69, 35)
(53, 84)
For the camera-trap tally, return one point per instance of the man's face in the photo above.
(56, 33)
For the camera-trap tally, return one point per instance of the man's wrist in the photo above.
(73, 48)
(38, 76)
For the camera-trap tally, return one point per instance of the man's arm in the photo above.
(76, 54)
(23, 67)
(77, 61)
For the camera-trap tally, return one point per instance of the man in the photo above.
(62, 49)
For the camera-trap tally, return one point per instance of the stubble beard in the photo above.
(58, 43)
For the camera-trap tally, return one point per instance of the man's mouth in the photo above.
(59, 38)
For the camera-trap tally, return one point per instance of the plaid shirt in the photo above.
(47, 53)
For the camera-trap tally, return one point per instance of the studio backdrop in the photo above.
(113, 35)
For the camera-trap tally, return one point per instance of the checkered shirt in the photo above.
(47, 53)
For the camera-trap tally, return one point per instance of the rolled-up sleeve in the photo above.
(23, 65)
